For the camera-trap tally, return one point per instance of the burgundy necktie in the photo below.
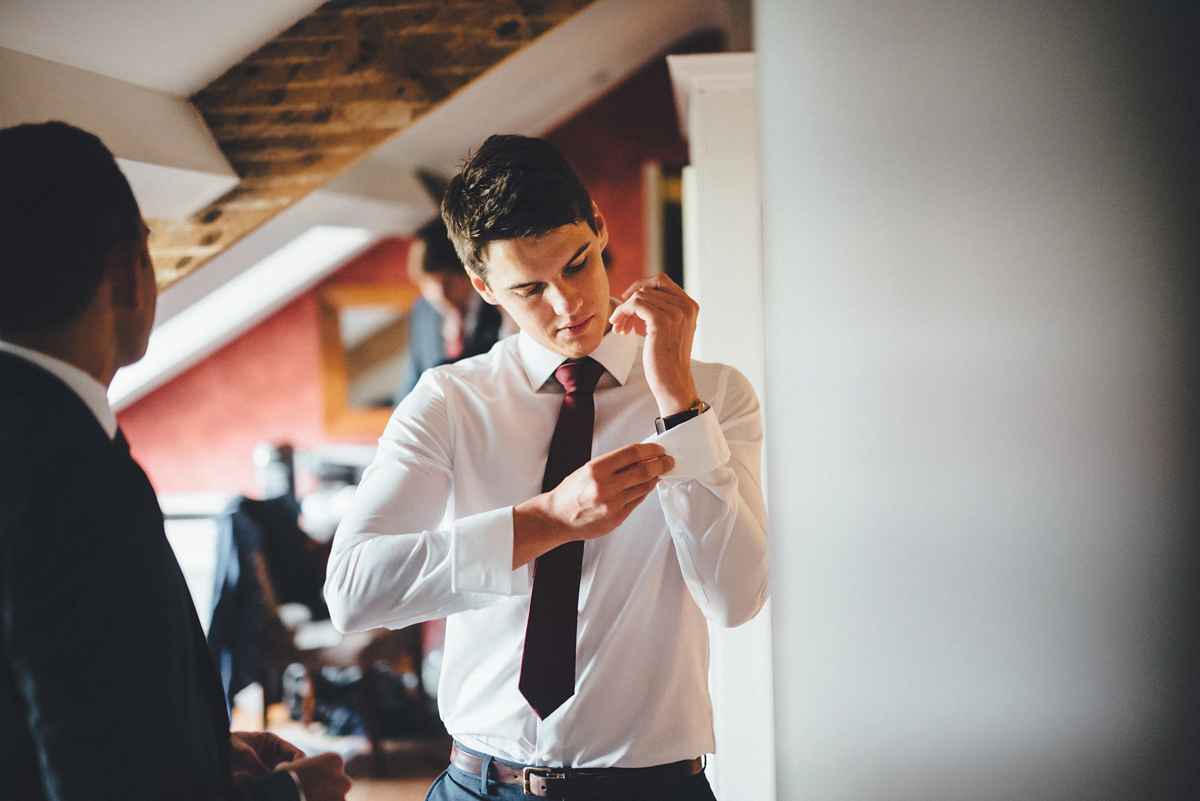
(548, 662)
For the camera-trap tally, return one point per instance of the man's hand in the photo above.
(322, 777)
(258, 752)
(658, 309)
(590, 502)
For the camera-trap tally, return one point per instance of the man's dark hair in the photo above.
(439, 256)
(64, 204)
(513, 187)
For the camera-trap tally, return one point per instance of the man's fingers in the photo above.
(650, 307)
(245, 760)
(637, 493)
(625, 322)
(615, 461)
(633, 464)
(646, 469)
(662, 295)
(660, 281)
(322, 776)
(270, 748)
(654, 298)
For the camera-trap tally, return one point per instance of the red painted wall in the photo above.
(197, 432)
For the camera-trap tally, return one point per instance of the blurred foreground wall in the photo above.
(980, 227)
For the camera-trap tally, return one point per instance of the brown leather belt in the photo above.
(581, 783)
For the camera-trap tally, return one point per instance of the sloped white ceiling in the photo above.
(148, 56)
(171, 46)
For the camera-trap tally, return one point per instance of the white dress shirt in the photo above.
(89, 390)
(430, 534)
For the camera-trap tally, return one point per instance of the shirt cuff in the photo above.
(299, 786)
(481, 552)
(698, 446)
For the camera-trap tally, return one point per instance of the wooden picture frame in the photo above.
(342, 417)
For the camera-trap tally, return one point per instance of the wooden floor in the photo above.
(388, 789)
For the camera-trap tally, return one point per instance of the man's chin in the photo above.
(133, 355)
(575, 347)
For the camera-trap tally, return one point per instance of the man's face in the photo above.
(554, 287)
(447, 290)
(135, 331)
(149, 283)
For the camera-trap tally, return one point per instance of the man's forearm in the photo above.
(590, 502)
(396, 580)
(534, 531)
(714, 506)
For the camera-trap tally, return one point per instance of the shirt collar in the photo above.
(616, 353)
(89, 390)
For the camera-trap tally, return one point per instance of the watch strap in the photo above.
(664, 424)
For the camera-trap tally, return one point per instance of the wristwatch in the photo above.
(664, 424)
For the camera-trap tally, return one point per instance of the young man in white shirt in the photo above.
(452, 514)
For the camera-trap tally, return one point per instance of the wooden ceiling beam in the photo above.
(327, 92)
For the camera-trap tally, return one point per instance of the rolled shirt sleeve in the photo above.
(712, 501)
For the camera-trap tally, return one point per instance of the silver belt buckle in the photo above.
(545, 773)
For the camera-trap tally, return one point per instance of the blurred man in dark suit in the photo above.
(107, 689)
(449, 321)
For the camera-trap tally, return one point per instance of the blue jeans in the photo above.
(458, 785)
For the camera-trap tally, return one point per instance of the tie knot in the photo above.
(579, 376)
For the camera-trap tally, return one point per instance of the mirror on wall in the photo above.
(364, 329)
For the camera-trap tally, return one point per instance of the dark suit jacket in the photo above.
(426, 348)
(107, 689)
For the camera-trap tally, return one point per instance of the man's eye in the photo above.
(574, 268)
(529, 291)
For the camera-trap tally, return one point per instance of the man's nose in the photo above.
(566, 301)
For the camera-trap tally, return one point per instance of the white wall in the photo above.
(717, 100)
(978, 369)
(169, 156)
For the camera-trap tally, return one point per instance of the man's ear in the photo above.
(124, 266)
(482, 288)
(601, 227)
(121, 266)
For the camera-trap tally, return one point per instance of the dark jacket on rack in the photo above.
(247, 530)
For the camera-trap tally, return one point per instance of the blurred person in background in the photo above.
(449, 321)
